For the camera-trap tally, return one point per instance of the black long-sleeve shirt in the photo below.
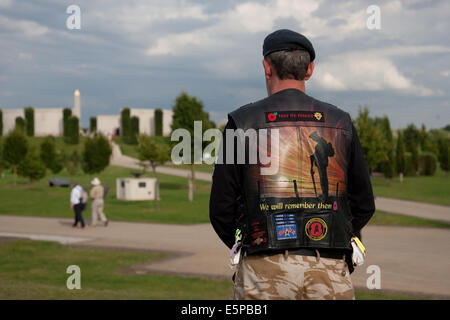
(227, 188)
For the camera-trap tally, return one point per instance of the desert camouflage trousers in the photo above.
(295, 277)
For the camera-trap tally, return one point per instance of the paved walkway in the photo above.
(412, 260)
(410, 208)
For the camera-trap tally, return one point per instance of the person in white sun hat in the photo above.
(97, 194)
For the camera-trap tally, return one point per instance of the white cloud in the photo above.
(5, 3)
(249, 18)
(27, 27)
(372, 70)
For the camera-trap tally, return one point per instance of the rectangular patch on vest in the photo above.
(279, 116)
(285, 232)
(285, 226)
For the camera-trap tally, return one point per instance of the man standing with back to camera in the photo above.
(297, 223)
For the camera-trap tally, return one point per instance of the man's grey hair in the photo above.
(290, 64)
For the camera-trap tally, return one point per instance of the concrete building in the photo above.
(107, 124)
(47, 121)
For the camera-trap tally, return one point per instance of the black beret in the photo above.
(288, 40)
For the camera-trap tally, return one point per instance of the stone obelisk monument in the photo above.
(76, 111)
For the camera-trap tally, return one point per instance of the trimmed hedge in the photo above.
(125, 123)
(20, 124)
(134, 130)
(93, 124)
(73, 131)
(67, 113)
(158, 122)
(29, 121)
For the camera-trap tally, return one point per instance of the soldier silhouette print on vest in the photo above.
(319, 158)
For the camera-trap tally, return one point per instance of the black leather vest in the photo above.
(302, 204)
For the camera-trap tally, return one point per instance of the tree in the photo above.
(29, 121)
(387, 165)
(134, 130)
(444, 155)
(49, 155)
(400, 156)
(32, 166)
(96, 154)
(93, 124)
(186, 110)
(156, 151)
(73, 163)
(125, 124)
(373, 143)
(67, 113)
(15, 148)
(73, 130)
(412, 142)
(1, 123)
(20, 124)
(158, 122)
(425, 143)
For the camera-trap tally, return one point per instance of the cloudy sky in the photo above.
(143, 53)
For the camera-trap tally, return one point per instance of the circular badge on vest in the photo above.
(316, 229)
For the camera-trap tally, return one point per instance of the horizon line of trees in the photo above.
(410, 151)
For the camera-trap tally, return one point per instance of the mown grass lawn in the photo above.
(37, 270)
(391, 219)
(433, 189)
(38, 199)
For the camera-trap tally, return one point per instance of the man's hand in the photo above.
(71, 206)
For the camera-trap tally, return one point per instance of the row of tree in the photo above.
(412, 151)
(34, 162)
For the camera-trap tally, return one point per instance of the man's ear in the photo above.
(267, 69)
(310, 70)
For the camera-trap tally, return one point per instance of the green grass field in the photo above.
(38, 199)
(59, 144)
(390, 219)
(434, 189)
(37, 270)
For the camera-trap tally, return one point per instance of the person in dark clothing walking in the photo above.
(76, 204)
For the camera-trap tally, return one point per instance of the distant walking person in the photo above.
(97, 195)
(76, 204)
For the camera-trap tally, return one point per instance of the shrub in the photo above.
(158, 122)
(96, 154)
(73, 131)
(73, 163)
(444, 156)
(132, 139)
(32, 167)
(29, 121)
(93, 124)
(15, 148)
(67, 113)
(409, 165)
(20, 124)
(427, 164)
(49, 155)
(125, 123)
